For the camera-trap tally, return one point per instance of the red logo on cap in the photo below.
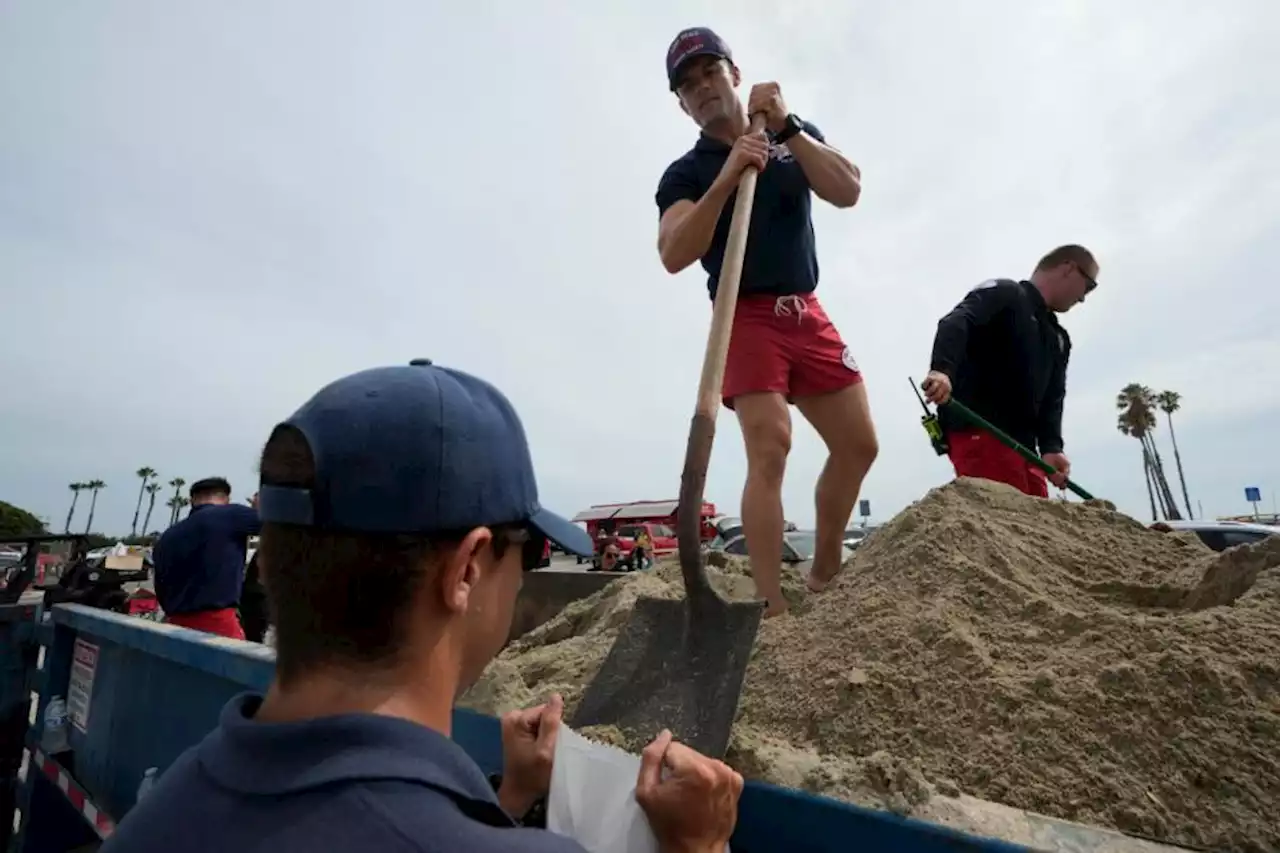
(687, 41)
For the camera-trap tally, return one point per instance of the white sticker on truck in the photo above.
(84, 666)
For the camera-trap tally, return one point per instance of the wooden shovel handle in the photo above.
(735, 251)
(702, 430)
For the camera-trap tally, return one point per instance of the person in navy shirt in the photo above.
(200, 561)
(783, 348)
(400, 512)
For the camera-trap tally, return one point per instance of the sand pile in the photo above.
(1053, 657)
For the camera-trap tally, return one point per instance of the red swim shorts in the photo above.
(224, 622)
(978, 453)
(788, 345)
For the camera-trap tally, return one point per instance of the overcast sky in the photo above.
(208, 210)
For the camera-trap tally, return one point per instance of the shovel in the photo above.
(1010, 442)
(680, 665)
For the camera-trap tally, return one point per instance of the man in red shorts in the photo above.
(783, 349)
(200, 561)
(1005, 354)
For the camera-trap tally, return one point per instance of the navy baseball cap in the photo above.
(418, 449)
(695, 41)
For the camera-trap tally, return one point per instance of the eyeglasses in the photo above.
(532, 544)
(1090, 283)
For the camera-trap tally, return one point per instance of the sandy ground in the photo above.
(1054, 657)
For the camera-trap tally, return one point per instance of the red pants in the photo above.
(787, 345)
(978, 453)
(224, 622)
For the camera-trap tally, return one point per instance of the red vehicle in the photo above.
(663, 537)
(143, 603)
(622, 521)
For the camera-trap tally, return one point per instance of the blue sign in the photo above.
(864, 508)
(1252, 494)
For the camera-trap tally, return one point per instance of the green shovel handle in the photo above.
(1009, 441)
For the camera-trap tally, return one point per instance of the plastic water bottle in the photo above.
(53, 737)
(148, 782)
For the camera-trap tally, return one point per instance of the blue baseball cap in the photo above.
(695, 41)
(418, 449)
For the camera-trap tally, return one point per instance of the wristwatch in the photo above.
(793, 127)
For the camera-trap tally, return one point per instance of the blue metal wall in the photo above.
(157, 689)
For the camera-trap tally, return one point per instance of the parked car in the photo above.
(1220, 535)
(797, 548)
(727, 527)
(855, 536)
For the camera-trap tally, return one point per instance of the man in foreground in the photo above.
(200, 561)
(783, 348)
(1004, 355)
(400, 513)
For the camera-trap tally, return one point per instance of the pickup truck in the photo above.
(664, 539)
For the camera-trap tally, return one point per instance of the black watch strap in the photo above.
(793, 128)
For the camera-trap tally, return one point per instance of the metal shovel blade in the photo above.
(675, 665)
(680, 665)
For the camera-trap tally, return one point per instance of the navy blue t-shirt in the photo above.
(200, 560)
(781, 254)
(348, 784)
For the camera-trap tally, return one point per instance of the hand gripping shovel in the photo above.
(679, 665)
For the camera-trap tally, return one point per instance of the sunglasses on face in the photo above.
(532, 544)
(1090, 283)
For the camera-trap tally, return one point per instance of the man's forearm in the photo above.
(832, 175)
(1049, 435)
(688, 239)
(1050, 438)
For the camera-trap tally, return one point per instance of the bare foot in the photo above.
(819, 581)
(779, 609)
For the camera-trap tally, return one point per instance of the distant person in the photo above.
(609, 558)
(642, 550)
(400, 514)
(1003, 354)
(200, 561)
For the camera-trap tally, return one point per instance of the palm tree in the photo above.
(144, 474)
(94, 486)
(1170, 402)
(1149, 469)
(1162, 481)
(152, 489)
(176, 505)
(177, 483)
(1137, 405)
(1129, 423)
(76, 489)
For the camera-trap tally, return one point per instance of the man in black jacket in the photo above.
(1005, 355)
